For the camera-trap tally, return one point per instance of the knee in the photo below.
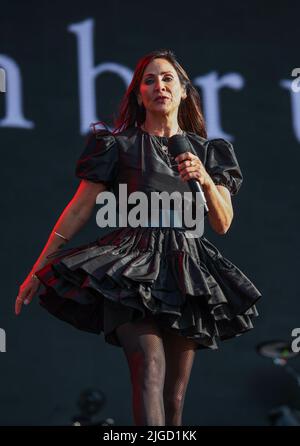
(151, 370)
(174, 403)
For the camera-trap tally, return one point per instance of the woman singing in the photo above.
(152, 290)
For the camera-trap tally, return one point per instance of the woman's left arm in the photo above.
(219, 203)
(218, 197)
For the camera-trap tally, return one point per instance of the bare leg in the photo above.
(143, 347)
(179, 354)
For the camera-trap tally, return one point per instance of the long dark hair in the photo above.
(190, 117)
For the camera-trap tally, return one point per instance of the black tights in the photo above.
(160, 364)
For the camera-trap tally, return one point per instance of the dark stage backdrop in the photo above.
(68, 64)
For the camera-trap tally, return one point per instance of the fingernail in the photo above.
(26, 302)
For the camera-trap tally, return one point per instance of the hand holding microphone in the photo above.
(188, 163)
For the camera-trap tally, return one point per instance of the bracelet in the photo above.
(62, 236)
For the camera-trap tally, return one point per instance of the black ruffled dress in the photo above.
(131, 272)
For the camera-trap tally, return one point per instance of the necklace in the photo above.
(161, 144)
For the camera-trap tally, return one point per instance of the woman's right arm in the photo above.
(73, 218)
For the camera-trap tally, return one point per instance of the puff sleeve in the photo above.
(222, 165)
(99, 159)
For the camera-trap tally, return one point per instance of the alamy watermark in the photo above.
(139, 214)
(295, 346)
(2, 341)
(296, 82)
(2, 81)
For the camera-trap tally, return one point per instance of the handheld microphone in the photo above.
(179, 144)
